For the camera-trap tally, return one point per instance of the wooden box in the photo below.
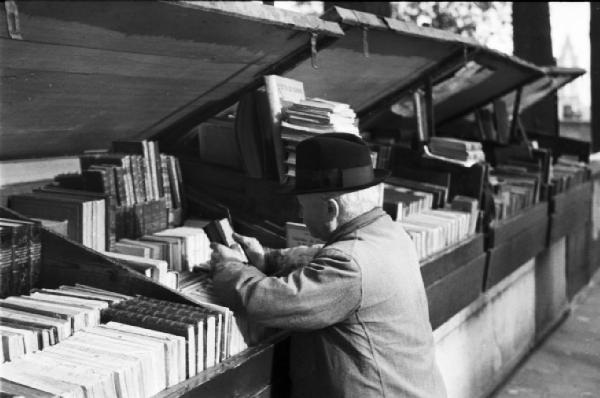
(513, 241)
(454, 278)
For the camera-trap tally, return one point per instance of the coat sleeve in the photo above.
(317, 295)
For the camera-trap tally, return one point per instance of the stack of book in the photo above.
(568, 172)
(426, 215)
(143, 186)
(20, 256)
(143, 346)
(515, 188)
(316, 116)
(164, 254)
(457, 149)
(310, 117)
(49, 316)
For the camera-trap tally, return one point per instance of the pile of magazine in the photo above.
(458, 150)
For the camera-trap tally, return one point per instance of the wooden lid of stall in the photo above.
(78, 75)
(485, 75)
(376, 59)
(554, 78)
(379, 60)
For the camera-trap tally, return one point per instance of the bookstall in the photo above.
(561, 269)
(80, 76)
(570, 192)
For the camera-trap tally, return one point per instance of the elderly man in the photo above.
(357, 308)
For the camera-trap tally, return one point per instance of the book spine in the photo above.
(121, 190)
(175, 191)
(164, 161)
(159, 173)
(180, 185)
(152, 166)
(138, 181)
(147, 171)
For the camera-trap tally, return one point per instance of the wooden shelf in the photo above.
(570, 210)
(515, 241)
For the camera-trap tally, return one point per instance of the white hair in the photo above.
(353, 204)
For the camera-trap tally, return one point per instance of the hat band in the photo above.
(334, 178)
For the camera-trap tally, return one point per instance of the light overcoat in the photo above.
(358, 312)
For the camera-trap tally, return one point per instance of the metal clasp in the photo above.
(313, 50)
(12, 20)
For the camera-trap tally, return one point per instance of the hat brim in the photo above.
(379, 175)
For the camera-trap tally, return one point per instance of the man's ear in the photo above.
(333, 209)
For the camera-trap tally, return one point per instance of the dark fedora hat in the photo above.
(334, 162)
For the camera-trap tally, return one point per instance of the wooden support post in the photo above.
(515, 116)
(429, 108)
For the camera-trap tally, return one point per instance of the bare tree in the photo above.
(532, 42)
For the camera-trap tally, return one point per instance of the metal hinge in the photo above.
(12, 20)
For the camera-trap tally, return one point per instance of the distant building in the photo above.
(569, 97)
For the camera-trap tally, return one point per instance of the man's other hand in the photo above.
(253, 249)
(222, 254)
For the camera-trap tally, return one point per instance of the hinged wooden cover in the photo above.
(554, 78)
(492, 75)
(89, 72)
(375, 60)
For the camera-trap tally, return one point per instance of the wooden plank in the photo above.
(456, 290)
(243, 375)
(508, 73)
(507, 229)
(452, 258)
(513, 252)
(73, 112)
(578, 260)
(32, 56)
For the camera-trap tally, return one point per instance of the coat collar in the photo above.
(356, 223)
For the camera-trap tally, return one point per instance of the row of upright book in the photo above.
(79, 341)
(20, 256)
(124, 194)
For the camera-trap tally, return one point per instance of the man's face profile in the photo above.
(315, 214)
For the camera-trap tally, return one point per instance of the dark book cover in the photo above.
(174, 182)
(70, 180)
(117, 159)
(53, 207)
(164, 161)
(19, 269)
(157, 168)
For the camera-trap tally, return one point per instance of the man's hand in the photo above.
(253, 249)
(222, 254)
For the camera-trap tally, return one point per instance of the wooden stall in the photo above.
(79, 75)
